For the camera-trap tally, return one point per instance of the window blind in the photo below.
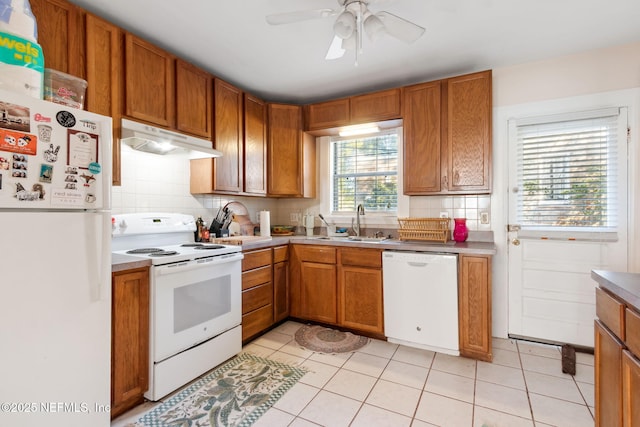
(365, 170)
(567, 170)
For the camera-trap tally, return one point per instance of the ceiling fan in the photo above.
(354, 19)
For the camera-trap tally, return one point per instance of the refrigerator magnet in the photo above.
(66, 119)
(88, 179)
(27, 196)
(82, 148)
(51, 154)
(46, 172)
(15, 117)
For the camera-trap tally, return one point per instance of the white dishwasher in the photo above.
(421, 300)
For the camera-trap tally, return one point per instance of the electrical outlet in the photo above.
(293, 217)
(444, 214)
(484, 217)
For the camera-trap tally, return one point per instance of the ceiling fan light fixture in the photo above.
(350, 43)
(374, 27)
(345, 25)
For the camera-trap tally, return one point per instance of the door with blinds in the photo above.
(567, 216)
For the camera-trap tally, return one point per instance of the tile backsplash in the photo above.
(156, 183)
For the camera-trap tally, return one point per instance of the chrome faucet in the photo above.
(359, 211)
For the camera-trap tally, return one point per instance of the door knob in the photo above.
(515, 242)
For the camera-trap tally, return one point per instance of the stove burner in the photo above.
(145, 251)
(164, 253)
(208, 247)
(191, 245)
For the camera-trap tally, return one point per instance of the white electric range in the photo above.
(196, 305)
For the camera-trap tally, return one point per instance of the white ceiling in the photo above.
(285, 63)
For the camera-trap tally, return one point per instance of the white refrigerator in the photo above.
(55, 264)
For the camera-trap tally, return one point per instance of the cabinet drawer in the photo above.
(256, 321)
(256, 277)
(320, 254)
(632, 332)
(610, 311)
(361, 257)
(256, 259)
(257, 297)
(280, 254)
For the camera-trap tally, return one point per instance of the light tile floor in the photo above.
(385, 384)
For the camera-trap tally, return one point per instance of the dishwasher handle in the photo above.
(417, 264)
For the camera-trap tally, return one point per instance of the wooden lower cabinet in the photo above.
(630, 390)
(474, 306)
(280, 283)
(608, 377)
(338, 286)
(360, 289)
(257, 292)
(129, 339)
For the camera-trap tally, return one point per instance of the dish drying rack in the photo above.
(426, 229)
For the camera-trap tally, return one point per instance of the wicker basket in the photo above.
(431, 229)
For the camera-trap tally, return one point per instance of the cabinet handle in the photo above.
(445, 180)
(456, 178)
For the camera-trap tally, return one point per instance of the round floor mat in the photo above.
(326, 340)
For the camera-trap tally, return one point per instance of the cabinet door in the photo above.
(422, 138)
(228, 137)
(194, 100)
(327, 115)
(469, 133)
(360, 298)
(61, 35)
(608, 378)
(105, 89)
(630, 390)
(280, 291)
(318, 292)
(149, 82)
(255, 145)
(474, 307)
(285, 171)
(129, 339)
(371, 107)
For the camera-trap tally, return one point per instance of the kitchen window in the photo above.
(364, 170)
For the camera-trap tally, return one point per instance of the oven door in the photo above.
(193, 301)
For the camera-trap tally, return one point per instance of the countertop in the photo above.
(121, 262)
(467, 248)
(624, 285)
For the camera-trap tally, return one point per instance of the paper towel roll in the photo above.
(265, 223)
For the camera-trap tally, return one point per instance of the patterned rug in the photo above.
(326, 340)
(234, 394)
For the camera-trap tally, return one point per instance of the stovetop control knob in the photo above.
(123, 225)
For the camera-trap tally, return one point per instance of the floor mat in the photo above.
(235, 394)
(326, 340)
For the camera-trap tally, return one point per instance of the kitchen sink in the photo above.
(355, 239)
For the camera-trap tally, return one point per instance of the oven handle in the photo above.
(198, 263)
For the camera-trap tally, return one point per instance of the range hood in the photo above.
(143, 137)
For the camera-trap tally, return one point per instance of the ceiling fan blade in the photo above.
(297, 16)
(335, 49)
(400, 28)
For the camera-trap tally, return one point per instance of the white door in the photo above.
(567, 216)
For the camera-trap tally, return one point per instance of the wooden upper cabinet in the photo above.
(105, 91)
(376, 106)
(447, 136)
(228, 137)
(61, 35)
(291, 155)
(255, 145)
(370, 107)
(194, 100)
(468, 122)
(329, 114)
(422, 138)
(149, 82)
